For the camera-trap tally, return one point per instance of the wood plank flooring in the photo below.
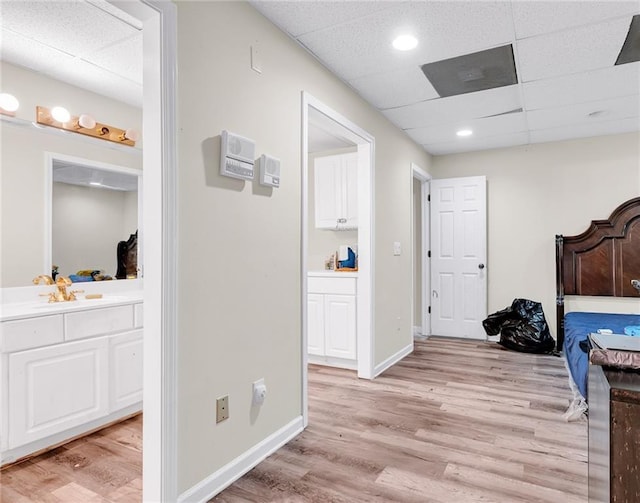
(455, 422)
(104, 467)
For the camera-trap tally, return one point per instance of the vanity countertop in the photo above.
(41, 307)
(332, 274)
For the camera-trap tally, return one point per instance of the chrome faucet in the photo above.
(61, 294)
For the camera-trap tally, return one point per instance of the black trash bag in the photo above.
(522, 327)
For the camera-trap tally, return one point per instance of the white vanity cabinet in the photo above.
(66, 374)
(331, 318)
(336, 191)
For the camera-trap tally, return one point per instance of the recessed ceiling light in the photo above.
(464, 132)
(405, 42)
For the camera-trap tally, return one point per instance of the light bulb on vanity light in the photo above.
(130, 134)
(60, 114)
(464, 132)
(8, 102)
(86, 121)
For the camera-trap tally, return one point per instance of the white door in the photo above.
(458, 257)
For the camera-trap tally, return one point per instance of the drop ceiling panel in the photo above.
(482, 128)
(297, 18)
(612, 82)
(611, 110)
(72, 26)
(122, 58)
(572, 51)
(444, 29)
(471, 145)
(535, 18)
(585, 130)
(19, 50)
(456, 108)
(394, 89)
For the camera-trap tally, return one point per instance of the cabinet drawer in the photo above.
(98, 322)
(31, 333)
(340, 286)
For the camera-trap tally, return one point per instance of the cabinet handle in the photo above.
(342, 220)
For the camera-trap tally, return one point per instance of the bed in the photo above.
(602, 261)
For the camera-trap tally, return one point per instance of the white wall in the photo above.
(22, 164)
(323, 242)
(239, 243)
(537, 191)
(87, 225)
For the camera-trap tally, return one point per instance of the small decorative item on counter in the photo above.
(332, 262)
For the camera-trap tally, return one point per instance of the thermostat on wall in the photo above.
(269, 171)
(237, 155)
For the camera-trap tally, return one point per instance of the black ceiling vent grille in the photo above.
(630, 51)
(478, 71)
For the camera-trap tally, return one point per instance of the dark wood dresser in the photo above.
(614, 435)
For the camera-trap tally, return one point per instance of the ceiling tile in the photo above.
(99, 81)
(536, 18)
(456, 108)
(72, 26)
(482, 128)
(16, 49)
(394, 89)
(616, 81)
(501, 141)
(443, 29)
(614, 109)
(123, 58)
(601, 128)
(297, 18)
(572, 51)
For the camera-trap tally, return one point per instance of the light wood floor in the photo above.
(455, 422)
(104, 467)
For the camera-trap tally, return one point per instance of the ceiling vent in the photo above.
(478, 71)
(630, 51)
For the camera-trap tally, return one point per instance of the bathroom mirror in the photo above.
(92, 207)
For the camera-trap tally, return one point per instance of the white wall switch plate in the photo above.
(397, 249)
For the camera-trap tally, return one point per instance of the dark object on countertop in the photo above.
(522, 327)
(128, 257)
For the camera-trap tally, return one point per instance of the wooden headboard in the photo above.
(604, 260)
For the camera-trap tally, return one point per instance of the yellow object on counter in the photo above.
(93, 296)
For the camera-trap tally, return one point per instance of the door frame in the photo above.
(365, 293)
(160, 432)
(425, 188)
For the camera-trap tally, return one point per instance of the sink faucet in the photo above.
(61, 294)
(38, 280)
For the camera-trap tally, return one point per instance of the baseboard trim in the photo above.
(207, 488)
(392, 360)
(417, 330)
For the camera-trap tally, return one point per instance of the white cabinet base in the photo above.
(329, 361)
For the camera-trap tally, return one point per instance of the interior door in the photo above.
(458, 257)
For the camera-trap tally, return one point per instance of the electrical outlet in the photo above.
(259, 392)
(222, 408)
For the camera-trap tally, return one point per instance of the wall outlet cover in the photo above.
(222, 408)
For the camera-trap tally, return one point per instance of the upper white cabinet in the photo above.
(336, 191)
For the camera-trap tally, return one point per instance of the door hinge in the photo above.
(429, 254)
(429, 197)
(429, 310)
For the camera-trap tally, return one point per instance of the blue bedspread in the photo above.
(577, 327)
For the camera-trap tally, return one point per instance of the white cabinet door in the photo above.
(56, 388)
(315, 324)
(125, 354)
(340, 326)
(328, 197)
(336, 191)
(350, 191)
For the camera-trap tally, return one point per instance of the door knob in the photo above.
(480, 266)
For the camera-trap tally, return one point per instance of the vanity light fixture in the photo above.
(464, 132)
(8, 104)
(84, 124)
(405, 42)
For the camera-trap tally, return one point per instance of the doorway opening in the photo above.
(326, 132)
(421, 235)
